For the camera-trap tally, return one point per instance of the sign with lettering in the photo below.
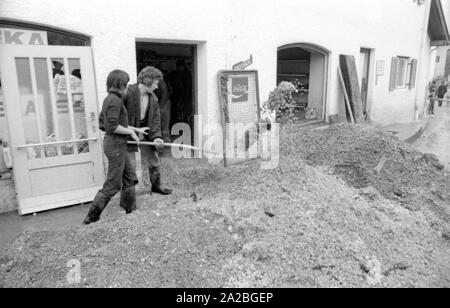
(61, 84)
(240, 66)
(22, 37)
(239, 86)
(380, 68)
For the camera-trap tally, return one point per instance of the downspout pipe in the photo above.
(422, 60)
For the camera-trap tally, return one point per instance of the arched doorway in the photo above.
(306, 66)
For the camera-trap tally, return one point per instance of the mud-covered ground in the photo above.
(324, 218)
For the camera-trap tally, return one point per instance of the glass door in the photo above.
(52, 109)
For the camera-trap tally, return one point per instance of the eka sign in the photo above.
(22, 37)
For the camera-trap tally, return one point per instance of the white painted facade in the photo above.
(227, 31)
(442, 58)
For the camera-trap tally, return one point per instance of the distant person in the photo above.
(57, 69)
(180, 83)
(441, 92)
(432, 97)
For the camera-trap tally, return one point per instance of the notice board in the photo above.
(239, 104)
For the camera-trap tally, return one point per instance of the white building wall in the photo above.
(229, 31)
(441, 52)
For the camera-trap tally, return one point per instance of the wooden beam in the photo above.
(347, 101)
(351, 80)
(440, 43)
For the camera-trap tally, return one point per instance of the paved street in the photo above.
(436, 137)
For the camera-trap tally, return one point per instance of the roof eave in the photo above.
(441, 28)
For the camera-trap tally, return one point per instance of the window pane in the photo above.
(62, 106)
(408, 74)
(45, 105)
(401, 73)
(28, 107)
(76, 86)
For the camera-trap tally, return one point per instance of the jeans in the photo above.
(150, 157)
(441, 102)
(121, 167)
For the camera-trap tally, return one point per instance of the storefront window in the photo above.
(33, 133)
(48, 118)
(55, 37)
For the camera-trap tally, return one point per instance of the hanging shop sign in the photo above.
(240, 66)
(22, 37)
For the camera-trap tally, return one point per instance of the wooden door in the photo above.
(52, 111)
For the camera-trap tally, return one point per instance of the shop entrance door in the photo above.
(52, 110)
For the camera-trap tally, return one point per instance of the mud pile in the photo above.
(324, 218)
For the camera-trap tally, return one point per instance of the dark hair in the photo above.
(117, 79)
(148, 74)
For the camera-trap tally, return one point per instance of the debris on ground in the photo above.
(332, 212)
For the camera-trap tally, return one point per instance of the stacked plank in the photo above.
(352, 91)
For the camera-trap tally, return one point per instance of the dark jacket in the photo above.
(132, 103)
(442, 91)
(112, 115)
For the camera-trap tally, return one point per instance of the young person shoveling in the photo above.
(121, 165)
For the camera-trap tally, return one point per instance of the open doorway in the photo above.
(178, 64)
(306, 67)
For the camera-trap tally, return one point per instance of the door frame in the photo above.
(200, 81)
(370, 52)
(310, 47)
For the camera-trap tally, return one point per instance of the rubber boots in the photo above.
(95, 211)
(155, 180)
(128, 199)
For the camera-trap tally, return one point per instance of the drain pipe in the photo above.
(422, 59)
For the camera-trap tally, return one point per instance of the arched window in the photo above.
(56, 37)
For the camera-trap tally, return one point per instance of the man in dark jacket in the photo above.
(143, 111)
(441, 92)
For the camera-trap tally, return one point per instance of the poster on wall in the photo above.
(380, 68)
(240, 89)
(239, 100)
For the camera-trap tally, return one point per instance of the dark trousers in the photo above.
(441, 102)
(431, 106)
(121, 168)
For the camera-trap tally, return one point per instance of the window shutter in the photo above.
(394, 67)
(412, 83)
